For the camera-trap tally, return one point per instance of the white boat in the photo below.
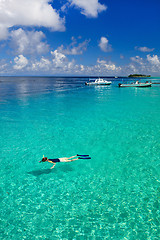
(98, 81)
(136, 84)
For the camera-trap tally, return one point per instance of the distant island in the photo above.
(139, 75)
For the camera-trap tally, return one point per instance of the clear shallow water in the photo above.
(115, 195)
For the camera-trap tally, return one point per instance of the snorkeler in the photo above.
(64, 159)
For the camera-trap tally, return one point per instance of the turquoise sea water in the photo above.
(115, 195)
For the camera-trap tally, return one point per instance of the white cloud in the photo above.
(65, 7)
(58, 63)
(89, 8)
(28, 13)
(3, 66)
(104, 45)
(72, 49)
(3, 32)
(148, 65)
(108, 66)
(44, 64)
(137, 59)
(59, 59)
(153, 60)
(154, 63)
(144, 49)
(131, 68)
(28, 42)
(138, 65)
(20, 62)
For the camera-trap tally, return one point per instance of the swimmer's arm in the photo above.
(53, 165)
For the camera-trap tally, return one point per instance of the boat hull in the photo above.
(90, 83)
(136, 85)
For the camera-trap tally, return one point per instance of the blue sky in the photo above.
(79, 37)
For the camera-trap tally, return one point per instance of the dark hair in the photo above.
(44, 159)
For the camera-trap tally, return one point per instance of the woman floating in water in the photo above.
(64, 159)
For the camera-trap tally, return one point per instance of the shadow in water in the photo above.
(62, 168)
(65, 168)
(40, 172)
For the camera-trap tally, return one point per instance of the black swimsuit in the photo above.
(54, 160)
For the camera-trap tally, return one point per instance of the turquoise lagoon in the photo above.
(115, 195)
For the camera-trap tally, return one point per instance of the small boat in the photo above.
(98, 81)
(136, 84)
